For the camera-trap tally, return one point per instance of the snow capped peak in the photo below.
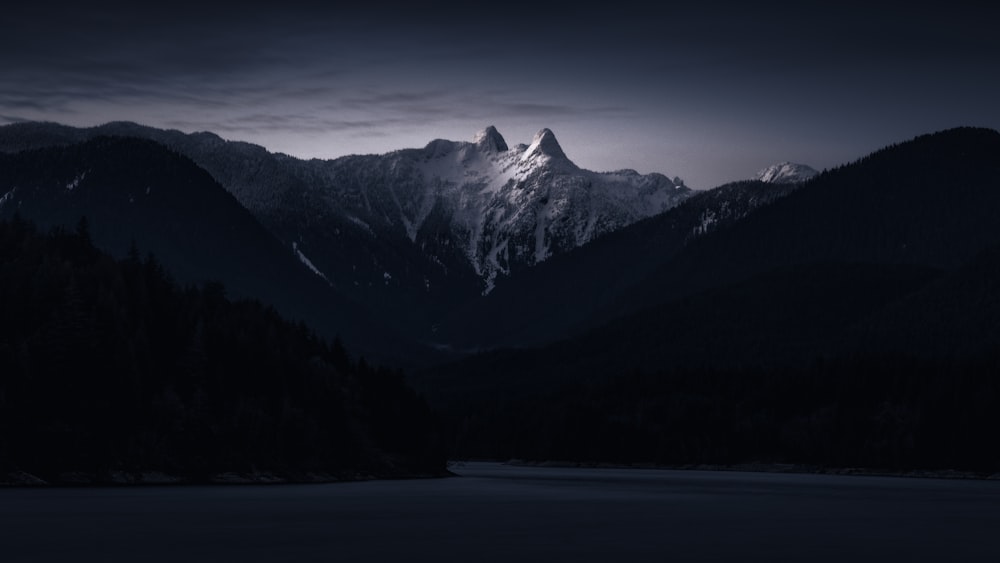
(786, 173)
(439, 148)
(545, 143)
(504, 208)
(490, 140)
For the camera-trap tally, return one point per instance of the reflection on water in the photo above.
(494, 512)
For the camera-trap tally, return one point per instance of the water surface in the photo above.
(494, 512)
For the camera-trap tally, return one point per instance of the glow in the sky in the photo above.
(711, 93)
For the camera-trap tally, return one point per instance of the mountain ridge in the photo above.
(850, 323)
(111, 372)
(137, 193)
(413, 231)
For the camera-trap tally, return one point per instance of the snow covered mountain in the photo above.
(414, 233)
(786, 173)
(496, 208)
(479, 208)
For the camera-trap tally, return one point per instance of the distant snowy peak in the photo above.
(786, 173)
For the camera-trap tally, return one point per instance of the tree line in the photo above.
(109, 366)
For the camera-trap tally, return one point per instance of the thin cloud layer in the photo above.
(710, 92)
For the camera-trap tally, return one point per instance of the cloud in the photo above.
(302, 124)
(532, 109)
(14, 100)
(243, 70)
(691, 74)
(377, 114)
(12, 119)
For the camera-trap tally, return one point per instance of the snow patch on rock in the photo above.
(308, 263)
(786, 173)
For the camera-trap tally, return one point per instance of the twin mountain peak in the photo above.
(508, 208)
(483, 208)
(544, 143)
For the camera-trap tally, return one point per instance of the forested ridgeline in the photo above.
(880, 413)
(854, 321)
(882, 367)
(109, 369)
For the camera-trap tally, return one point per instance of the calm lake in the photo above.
(494, 512)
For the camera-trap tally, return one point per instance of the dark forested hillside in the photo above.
(930, 201)
(301, 202)
(110, 370)
(850, 320)
(853, 322)
(889, 368)
(138, 191)
(879, 412)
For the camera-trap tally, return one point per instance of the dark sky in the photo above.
(710, 92)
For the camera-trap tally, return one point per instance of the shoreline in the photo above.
(77, 479)
(758, 467)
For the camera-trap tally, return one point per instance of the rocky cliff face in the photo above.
(492, 208)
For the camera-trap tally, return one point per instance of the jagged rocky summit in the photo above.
(491, 207)
(413, 232)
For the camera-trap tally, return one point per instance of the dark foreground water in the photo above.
(500, 513)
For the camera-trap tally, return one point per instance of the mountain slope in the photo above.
(110, 371)
(928, 202)
(507, 209)
(415, 232)
(851, 322)
(780, 318)
(556, 298)
(955, 318)
(134, 191)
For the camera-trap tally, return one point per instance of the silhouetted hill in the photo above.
(888, 367)
(130, 189)
(925, 202)
(851, 322)
(138, 191)
(930, 201)
(956, 318)
(109, 372)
